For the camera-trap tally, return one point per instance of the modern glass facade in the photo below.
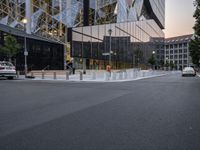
(133, 27)
(41, 54)
(133, 23)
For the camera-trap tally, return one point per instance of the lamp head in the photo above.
(24, 21)
(110, 31)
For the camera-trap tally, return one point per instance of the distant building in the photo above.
(177, 51)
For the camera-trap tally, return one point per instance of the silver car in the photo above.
(188, 71)
(7, 70)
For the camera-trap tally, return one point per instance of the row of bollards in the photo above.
(55, 75)
(128, 74)
(106, 76)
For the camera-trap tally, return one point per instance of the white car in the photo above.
(7, 70)
(188, 71)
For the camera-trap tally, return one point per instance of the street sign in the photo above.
(25, 53)
(105, 54)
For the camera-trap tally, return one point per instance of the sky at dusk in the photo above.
(179, 17)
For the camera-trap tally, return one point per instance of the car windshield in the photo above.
(5, 64)
(188, 68)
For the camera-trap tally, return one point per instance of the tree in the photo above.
(161, 63)
(175, 65)
(194, 44)
(195, 50)
(171, 64)
(152, 60)
(11, 47)
(138, 56)
(167, 64)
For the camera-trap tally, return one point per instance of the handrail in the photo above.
(45, 68)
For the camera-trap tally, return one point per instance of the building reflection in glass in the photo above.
(91, 42)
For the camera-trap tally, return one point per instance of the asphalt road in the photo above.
(161, 113)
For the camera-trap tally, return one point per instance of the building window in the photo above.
(185, 56)
(185, 61)
(185, 50)
(185, 44)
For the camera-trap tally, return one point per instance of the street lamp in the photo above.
(25, 21)
(153, 53)
(110, 52)
(166, 62)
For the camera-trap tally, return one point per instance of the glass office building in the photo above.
(116, 31)
(41, 53)
(95, 31)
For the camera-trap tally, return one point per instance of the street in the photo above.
(161, 113)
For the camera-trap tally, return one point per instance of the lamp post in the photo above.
(153, 53)
(166, 62)
(110, 52)
(25, 21)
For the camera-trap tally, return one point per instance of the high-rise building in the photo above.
(94, 32)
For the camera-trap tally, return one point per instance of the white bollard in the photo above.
(42, 74)
(114, 76)
(143, 74)
(81, 76)
(136, 74)
(54, 75)
(125, 75)
(133, 74)
(106, 76)
(18, 74)
(120, 75)
(93, 75)
(67, 75)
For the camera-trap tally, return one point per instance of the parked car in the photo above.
(7, 70)
(188, 71)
